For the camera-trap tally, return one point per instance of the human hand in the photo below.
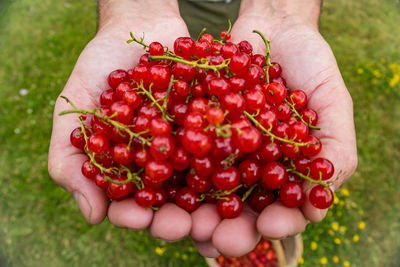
(106, 52)
(309, 65)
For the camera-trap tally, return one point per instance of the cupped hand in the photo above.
(106, 52)
(308, 64)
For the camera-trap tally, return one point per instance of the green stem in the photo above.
(165, 104)
(155, 102)
(107, 119)
(271, 134)
(312, 181)
(196, 64)
(267, 52)
(137, 40)
(248, 192)
(201, 33)
(300, 117)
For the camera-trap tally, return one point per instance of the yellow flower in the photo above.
(330, 232)
(360, 71)
(346, 264)
(314, 245)
(323, 261)
(337, 241)
(184, 257)
(376, 73)
(394, 80)
(341, 203)
(335, 226)
(177, 254)
(345, 192)
(336, 200)
(361, 225)
(159, 251)
(339, 213)
(356, 238)
(343, 229)
(301, 260)
(335, 259)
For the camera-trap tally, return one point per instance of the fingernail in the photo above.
(83, 204)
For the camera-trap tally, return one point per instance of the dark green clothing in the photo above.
(213, 15)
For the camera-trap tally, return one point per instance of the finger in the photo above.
(206, 249)
(171, 223)
(204, 221)
(277, 221)
(128, 214)
(238, 236)
(91, 200)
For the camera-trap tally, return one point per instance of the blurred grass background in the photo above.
(40, 224)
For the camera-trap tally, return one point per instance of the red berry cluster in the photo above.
(208, 122)
(263, 255)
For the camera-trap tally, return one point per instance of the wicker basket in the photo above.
(288, 252)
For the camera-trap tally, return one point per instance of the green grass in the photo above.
(40, 225)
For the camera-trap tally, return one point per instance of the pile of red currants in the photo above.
(209, 122)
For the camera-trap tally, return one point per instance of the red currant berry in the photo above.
(159, 126)
(132, 99)
(226, 179)
(123, 111)
(183, 71)
(230, 206)
(89, 170)
(77, 138)
(289, 150)
(121, 89)
(183, 46)
(234, 103)
(292, 195)
(117, 192)
(255, 100)
(321, 168)
(180, 159)
(250, 172)
(158, 170)
(179, 111)
(248, 140)
(161, 197)
(298, 98)
(156, 49)
(254, 75)
(108, 97)
(194, 119)
(282, 111)
(101, 182)
(260, 199)
(162, 147)
(270, 151)
(245, 47)
(223, 147)
(207, 37)
(267, 119)
(145, 197)
(98, 143)
(275, 70)
(237, 83)
(309, 116)
(187, 199)
(320, 197)
(274, 92)
(199, 184)
(159, 76)
(274, 175)
(215, 116)
(116, 77)
(197, 142)
(139, 73)
(225, 35)
(202, 49)
(229, 50)
(240, 63)
(313, 148)
(219, 87)
(122, 154)
(258, 59)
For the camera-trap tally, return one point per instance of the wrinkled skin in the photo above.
(308, 64)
